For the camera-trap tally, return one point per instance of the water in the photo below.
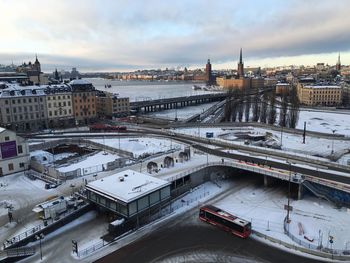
(147, 90)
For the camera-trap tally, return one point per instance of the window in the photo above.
(21, 165)
(13, 101)
(49, 105)
(7, 110)
(30, 100)
(20, 149)
(7, 138)
(6, 102)
(10, 166)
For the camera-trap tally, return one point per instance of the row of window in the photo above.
(24, 100)
(25, 116)
(29, 108)
(11, 167)
(59, 104)
(85, 113)
(62, 112)
(88, 100)
(58, 97)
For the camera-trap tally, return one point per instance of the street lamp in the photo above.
(288, 204)
(333, 141)
(40, 237)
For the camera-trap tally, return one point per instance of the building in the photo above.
(33, 71)
(59, 105)
(84, 101)
(14, 153)
(208, 73)
(110, 105)
(23, 108)
(240, 66)
(313, 95)
(240, 81)
(129, 193)
(283, 88)
(338, 65)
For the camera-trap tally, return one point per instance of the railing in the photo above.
(317, 249)
(20, 251)
(37, 229)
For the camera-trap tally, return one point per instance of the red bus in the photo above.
(225, 221)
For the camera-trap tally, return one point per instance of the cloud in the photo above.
(97, 35)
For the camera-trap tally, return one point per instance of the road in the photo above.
(189, 240)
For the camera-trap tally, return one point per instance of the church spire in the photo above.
(240, 68)
(338, 65)
(240, 57)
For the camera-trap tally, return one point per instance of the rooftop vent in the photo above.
(121, 179)
(126, 175)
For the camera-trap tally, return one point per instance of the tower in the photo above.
(240, 67)
(208, 76)
(37, 64)
(338, 65)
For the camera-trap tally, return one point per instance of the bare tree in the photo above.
(264, 104)
(272, 113)
(293, 112)
(283, 111)
(256, 107)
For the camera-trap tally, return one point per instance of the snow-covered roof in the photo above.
(322, 87)
(127, 186)
(79, 82)
(14, 90)
(2, 129)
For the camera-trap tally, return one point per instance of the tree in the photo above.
(263, 111)
(293, 112)
(283, 111)
(272, 113)
(256, 107)
(247, 108)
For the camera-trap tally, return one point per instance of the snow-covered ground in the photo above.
(140, 146)
(97, 159)
(290, 142)
(182, 113)
(45, 157)
(264, 207)
(322, 121)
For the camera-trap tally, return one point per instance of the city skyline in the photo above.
(123, 36)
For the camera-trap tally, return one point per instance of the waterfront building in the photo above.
(59, 105)
(111, 105)
(23, 108)
(317, 95)
(33, 71)
(84, 101)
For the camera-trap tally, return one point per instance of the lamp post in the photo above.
(288, 204)
(40, 237)
(333, 141)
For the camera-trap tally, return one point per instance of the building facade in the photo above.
(59, 105)
(110, 105)
(84, 101)
(283, 88)
(313, 95)
(14, 151)
(23, 108)
(129, 193)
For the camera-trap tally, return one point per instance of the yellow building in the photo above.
(232, 83)
(110, 105)
(313, 95)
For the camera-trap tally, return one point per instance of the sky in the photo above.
(123, 35)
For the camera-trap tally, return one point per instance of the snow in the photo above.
(45, 157)
(127, 185)
(93, 160)
(264, 207)
(182, 113)
(290, 142)
(141, 145)
(323, 121)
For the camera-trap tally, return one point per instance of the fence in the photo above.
(30, 233)
(316, 249)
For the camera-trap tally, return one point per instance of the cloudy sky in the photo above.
(118, 35)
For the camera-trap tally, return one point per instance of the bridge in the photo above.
(173, 103)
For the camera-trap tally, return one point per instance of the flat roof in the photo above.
(127, 186)
(322, 87)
